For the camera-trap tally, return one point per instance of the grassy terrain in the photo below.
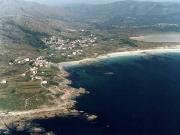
(22, 93)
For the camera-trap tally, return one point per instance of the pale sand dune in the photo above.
(139, 38)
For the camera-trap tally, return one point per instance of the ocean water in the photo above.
(137, 95)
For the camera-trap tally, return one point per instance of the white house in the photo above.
(3, 82)
(44, 82)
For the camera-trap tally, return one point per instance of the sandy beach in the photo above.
(159, 50)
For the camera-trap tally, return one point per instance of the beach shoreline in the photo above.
(137, 52)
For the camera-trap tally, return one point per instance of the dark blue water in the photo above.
(138, 95)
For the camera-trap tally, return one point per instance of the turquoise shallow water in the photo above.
(137, 95)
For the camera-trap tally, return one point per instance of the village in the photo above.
(69, 47)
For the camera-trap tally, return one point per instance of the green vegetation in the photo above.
(22, 93)
(56, 59)
(22, 96)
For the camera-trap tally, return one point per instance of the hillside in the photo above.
(127, 13)
(22, 24)
(26, 8)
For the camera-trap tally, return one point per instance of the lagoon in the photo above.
(170, 37)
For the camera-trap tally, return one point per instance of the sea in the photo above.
(131, 95)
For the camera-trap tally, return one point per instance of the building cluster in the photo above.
(76, 45)
(20, 60)
(39, 62)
